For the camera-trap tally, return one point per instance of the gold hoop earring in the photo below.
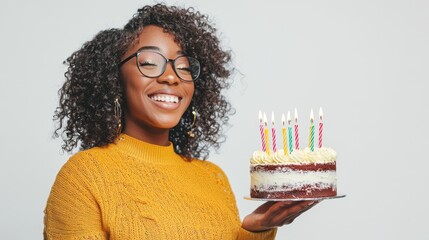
(118, 115)
(191, 133)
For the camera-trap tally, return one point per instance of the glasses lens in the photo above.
(151, 64)
(187, 68)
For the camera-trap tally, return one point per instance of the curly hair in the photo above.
(86, 106)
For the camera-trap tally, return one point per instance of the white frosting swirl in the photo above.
(319, 155)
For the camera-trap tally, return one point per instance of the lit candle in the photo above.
(261, 131)
(320, 127)
(284, 134)
(267, 140)
(273, 133)
(311, 137)
(289, 131)
(296, 130)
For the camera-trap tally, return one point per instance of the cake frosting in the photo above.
(301, 174)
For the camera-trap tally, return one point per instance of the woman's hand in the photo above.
(275, 214)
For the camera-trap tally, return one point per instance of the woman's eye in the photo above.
(147, 63)
(185, 69)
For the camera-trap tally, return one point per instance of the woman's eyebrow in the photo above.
(179, 52)
(149, 48)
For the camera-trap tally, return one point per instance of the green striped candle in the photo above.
(289, 130)
(311, 137)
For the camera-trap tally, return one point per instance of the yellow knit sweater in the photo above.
(136, 190)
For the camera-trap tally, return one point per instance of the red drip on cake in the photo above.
(304, 167)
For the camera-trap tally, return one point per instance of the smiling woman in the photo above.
(144, 103)
(87, 103)
(156, 96)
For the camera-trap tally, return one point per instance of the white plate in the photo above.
(294, 199)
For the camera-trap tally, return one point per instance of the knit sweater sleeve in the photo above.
(243, 234)
(72, 211)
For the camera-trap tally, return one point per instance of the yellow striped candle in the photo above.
(284, 135)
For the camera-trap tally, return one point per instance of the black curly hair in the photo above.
(86, 106)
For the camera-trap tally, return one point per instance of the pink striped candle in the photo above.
(266, 135)
(296, 130)
(261, 131)
(273, 133)
(320, 127)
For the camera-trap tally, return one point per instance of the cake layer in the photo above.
(303, 193)
(285, 181)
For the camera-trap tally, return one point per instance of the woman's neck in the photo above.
(147, 134)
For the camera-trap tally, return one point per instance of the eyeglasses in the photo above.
(153, 64)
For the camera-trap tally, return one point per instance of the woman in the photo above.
(145, 104)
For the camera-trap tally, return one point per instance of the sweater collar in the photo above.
(146, 151)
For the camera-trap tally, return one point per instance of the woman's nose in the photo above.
(169, 76)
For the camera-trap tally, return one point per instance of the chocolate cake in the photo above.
(302, 174)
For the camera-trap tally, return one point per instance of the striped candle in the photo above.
(311, 137)
(273, 133)
(296, 130)
(266, 135)
(261, 131)
(320, 127)
(289, 130)
(284, 135)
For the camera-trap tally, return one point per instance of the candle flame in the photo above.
(272, 118)
(296, 116)
(288, 118)
(265, 119)
(320, 113)
(311, 117)
(260, 116)
(283, 119)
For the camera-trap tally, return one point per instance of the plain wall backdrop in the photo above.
(365, 62)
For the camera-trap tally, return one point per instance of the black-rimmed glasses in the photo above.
(153, 64)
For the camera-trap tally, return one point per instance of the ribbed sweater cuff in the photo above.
(265, 235)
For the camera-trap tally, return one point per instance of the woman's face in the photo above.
(154, 105)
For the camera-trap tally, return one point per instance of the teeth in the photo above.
(165, 98)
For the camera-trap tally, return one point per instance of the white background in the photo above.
(365, 62)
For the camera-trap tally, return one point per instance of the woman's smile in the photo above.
(166, 99)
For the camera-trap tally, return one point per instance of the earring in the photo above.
(118, 114)
(191, 133)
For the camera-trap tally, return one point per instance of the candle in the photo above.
(296, 130)
(267, 141)
(289, 130)
(273, 133)
(261, 131)
(284, 135)
(320, 127)
(311, 137)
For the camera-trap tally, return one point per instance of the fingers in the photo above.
(290, 211)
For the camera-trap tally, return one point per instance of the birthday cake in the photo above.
(292, 173)
(301, 174)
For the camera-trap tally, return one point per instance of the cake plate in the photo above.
(294, 199)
